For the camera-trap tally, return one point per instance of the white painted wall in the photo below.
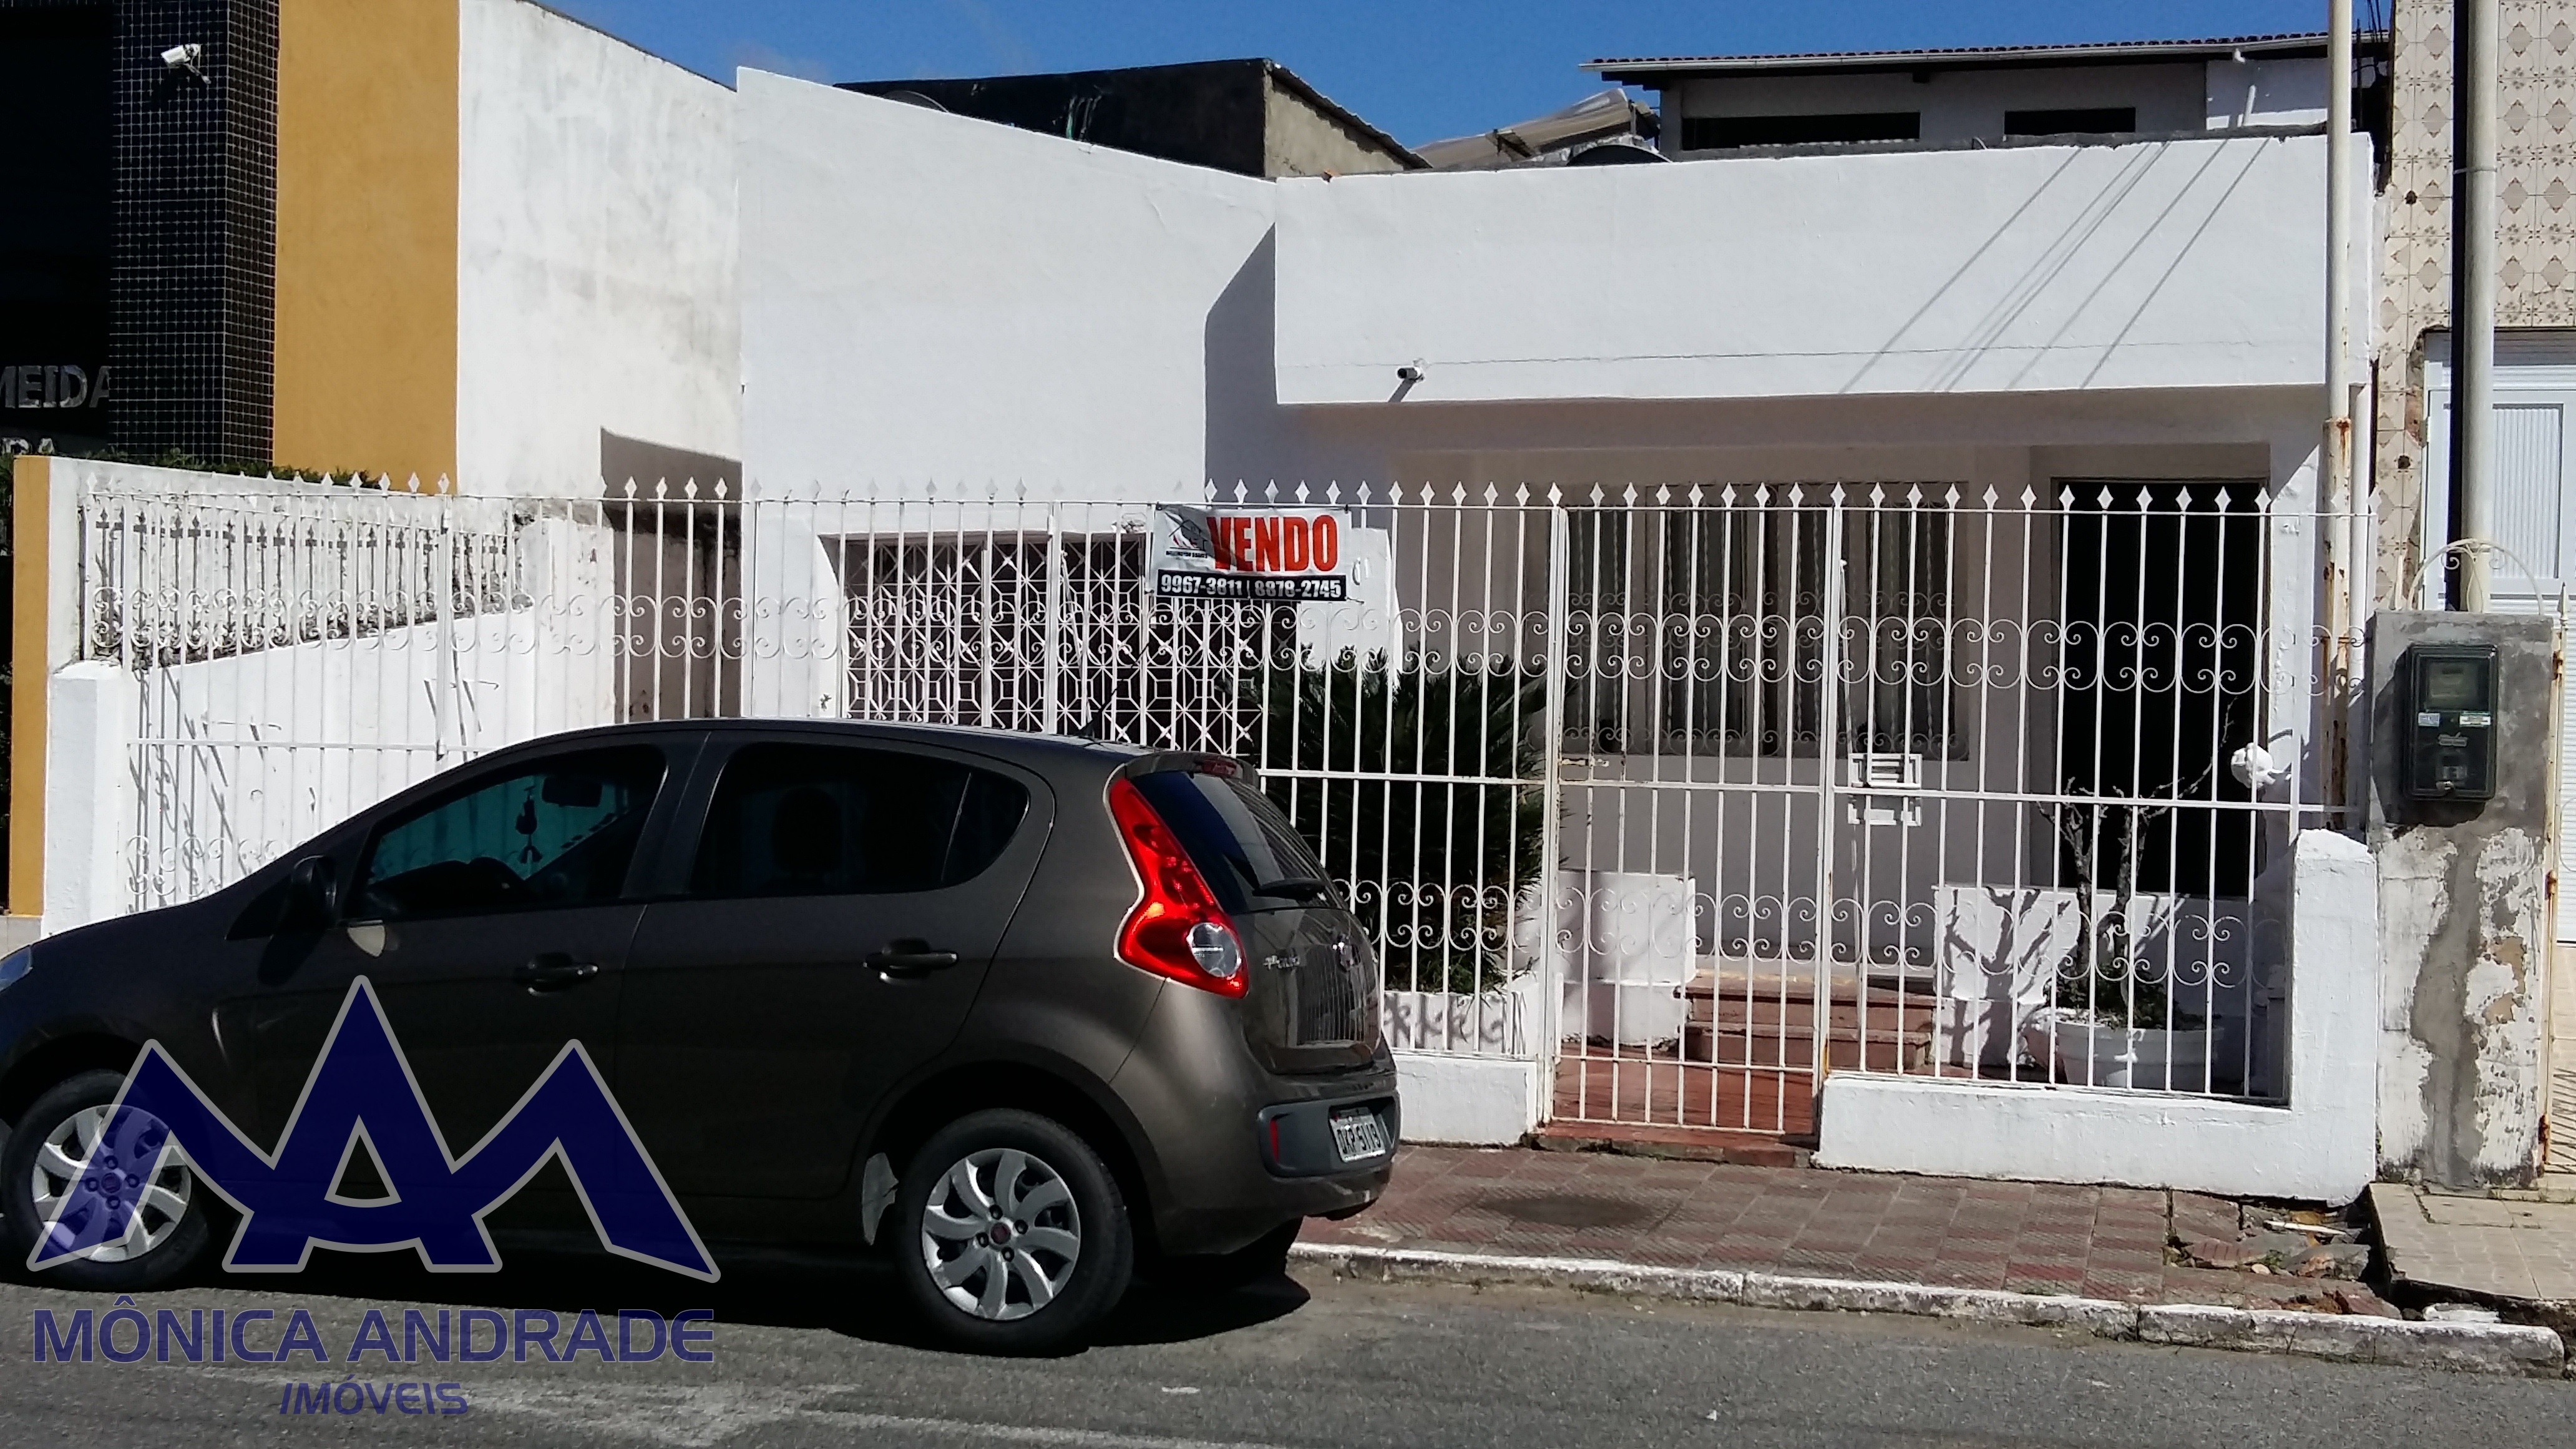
(214, 792)
(929, 300)
(2254, 92)
(2320, 1147)
(596, 247)
(213, 800)
(89, 794)
(927, 297)
(2178, 264)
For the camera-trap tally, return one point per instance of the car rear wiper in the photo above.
(1294, 888)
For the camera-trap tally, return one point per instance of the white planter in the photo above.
(1633, 953)
(2087, 1053)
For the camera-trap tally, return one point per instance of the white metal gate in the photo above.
(1697, 794)
(1899, 779)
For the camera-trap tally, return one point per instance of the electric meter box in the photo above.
(2451, 722)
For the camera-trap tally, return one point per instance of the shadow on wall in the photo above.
(623, 459)
(2039, 276)
(1246, 432)
(675, 548)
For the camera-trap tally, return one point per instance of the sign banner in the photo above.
(1279, 554)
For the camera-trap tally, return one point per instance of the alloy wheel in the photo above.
(1000, 1234)
(160, 1198)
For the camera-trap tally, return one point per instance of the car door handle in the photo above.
(554, 971)
(910, 957)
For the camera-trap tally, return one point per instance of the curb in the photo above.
(2483, 1348)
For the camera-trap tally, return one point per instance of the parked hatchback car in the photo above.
(1017, 1010)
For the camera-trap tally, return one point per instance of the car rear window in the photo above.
(812, 820)
(1239, 840)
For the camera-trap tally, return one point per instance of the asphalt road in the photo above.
(822, 1356)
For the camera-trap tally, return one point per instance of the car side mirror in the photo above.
(312, 895)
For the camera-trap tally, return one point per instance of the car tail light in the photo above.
(1177, 929)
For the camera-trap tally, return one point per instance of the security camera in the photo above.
(1408, 373)
(184, 57)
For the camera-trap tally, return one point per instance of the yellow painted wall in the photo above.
(31, 534)
(366, 235)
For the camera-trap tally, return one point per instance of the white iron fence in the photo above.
(1903, 780)
(1699, 794)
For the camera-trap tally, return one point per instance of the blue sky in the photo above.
(1419, 70)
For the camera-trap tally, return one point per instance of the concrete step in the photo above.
(1802, 1014)
(1690, 1144)
(1795, 1046)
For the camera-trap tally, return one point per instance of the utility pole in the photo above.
(2338, 460)
(2473, 273)
(2348, 605)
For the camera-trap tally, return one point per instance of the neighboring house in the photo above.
(455, 238)
(1250, 117)
(2535, 302)
(1991, 94)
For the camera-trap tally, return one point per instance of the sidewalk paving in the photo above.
(2494, 1247)
(2095, 1242)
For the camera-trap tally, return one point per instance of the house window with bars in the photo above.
(1600, 632)
(1745, 602)
(992, 629)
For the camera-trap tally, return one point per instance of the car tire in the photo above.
(170, 1230)
(1011, 1235)
(1265, 1257)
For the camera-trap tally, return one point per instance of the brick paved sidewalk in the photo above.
(2099, 1242)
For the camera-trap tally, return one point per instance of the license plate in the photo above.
(1358, 1133)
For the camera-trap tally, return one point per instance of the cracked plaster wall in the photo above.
(2465, 926)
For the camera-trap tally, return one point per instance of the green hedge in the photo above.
(1432, 869)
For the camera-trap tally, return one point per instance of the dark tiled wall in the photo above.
(196, 204)
(193, 262)
(57, 188)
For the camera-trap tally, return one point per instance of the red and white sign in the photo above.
(1292, 555)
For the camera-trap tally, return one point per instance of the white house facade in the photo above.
(1828, 642)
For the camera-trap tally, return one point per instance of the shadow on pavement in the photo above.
(857, 1297)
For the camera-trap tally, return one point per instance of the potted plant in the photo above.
(2111, 1020)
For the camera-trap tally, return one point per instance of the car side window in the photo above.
(557, 833)
(809, 820)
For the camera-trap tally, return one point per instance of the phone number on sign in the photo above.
(1289, 588)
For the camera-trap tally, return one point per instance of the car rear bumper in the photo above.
(1308, 1138)
(1205, 1107)
(1202, 1225)
(1300, 1176)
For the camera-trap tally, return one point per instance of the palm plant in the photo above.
(1429, 817)
(2101, 973)
(2105, 973)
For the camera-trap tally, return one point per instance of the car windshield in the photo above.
(1252, 857)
